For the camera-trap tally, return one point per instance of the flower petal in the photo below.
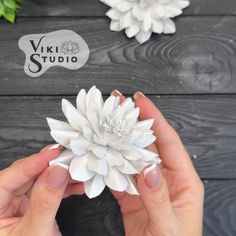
(126, 20)
(115, 180)
(65, 158)
(57, 124)
(80, 101)
(138, 12)
(132, 186)
(79, 169)
(94, 186)
(132, 116)
(99, 150)
(144, 141)
(80, 146)
(157, 26)
(142, 36)
(63, 137)
(132, 154)
(139, 165)
(144, 124)
(98, 166)
(132, 30)
(115, 25)
(114, 14)
(110, 105)
(127, 168)
(123, 6)
(114, 158)
(94, 99)
(75, 118)
(111, 3)
(147, 23)
(88, 133)
(146, 155)
(169, 26)
(182, 3)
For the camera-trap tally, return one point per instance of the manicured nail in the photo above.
(116, 93)
(55, 146)
(152, 176)
(57, 177)
(138, 95)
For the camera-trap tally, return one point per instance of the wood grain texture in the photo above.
(78, 214)
(220, 208)
(86, 8)
(199, 58)
(206, 124)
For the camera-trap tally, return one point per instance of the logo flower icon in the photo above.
(70, 47)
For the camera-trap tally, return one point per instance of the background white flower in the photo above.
(104, 142)
(140, 18)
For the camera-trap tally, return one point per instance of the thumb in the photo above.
(45, 200)
(155, 197)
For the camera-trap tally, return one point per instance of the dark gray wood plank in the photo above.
(199, 58)
(77, 215)
(220, 208)
(207, 125)
(96, 8)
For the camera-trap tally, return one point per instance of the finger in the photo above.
(46, 197)
(117, 93)
(74, 189)
(23, 172)
(170, 147)
(155, 197)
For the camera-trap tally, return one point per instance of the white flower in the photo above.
(104, 142)
(140, 18)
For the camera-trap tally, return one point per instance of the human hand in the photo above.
(171, 195)
(30, 194)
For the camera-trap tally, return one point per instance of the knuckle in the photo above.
(161, 197)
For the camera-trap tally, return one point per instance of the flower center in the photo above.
(119, 127)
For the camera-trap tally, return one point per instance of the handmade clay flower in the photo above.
(104, 142)
(140, 18)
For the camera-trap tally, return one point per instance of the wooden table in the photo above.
(191, 76)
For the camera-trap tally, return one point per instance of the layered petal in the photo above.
(64, 158)
(79, 168)
(115, 180)
(74, 117)
(80, 146)
(63, 137)
(94, 186)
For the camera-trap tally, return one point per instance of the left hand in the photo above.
(30, 195)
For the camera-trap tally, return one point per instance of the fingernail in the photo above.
(116, 93)
(55, 146)
(138, 95)
(152, 176)
(57, 177)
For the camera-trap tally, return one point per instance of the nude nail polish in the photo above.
(152, 176)
(138, 95)
(116, 93)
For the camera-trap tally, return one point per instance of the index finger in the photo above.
(174, 155)
(22, 172)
